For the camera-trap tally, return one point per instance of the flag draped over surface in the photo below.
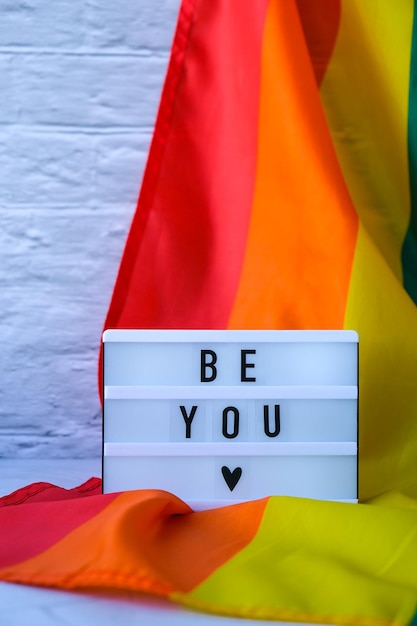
(277, 558)
(280, 193)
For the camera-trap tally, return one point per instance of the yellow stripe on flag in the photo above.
(386, 320)
(321, 562)
(365, 95)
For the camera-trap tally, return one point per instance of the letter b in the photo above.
(208, 365)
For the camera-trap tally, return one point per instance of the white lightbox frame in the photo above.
(247, 392)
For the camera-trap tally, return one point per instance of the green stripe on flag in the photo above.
(414, 620)
(409, 251)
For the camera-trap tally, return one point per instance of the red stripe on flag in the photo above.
(44, 516)
(183, 256)
(320, 33)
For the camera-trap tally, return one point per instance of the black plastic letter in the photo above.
(235, 432)
(268, 432)
(244, 366)
(208, 364)
(188, 419)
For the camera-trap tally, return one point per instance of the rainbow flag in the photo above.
(278, 558)
(280, 193)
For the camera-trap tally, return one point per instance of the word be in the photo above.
(209, 370)
(231, 419)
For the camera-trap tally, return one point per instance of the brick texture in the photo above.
(81, 82)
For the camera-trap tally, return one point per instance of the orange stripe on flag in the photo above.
(303, 226)
(144, 541)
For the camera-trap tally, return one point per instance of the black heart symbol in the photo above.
(231, 478)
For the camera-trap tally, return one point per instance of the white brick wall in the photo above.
(80, 84)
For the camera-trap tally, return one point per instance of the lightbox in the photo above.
(218, 417)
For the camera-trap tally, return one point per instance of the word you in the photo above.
(231, 420)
